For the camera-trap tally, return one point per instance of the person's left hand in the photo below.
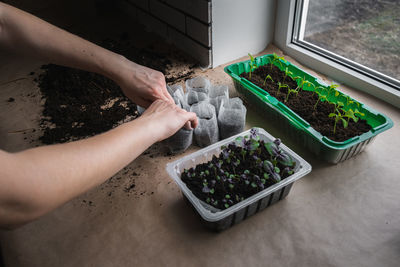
(142, 85)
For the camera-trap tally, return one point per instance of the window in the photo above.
(363, 35)
(356, 43)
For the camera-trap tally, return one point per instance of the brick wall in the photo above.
(186, 23)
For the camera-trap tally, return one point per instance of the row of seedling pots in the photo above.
(219, 116)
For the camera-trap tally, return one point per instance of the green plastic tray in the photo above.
(295, 126)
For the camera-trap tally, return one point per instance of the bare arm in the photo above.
(27, 34)
(35, 181)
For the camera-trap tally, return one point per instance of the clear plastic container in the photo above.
(222, 219)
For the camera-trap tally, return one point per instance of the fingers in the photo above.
(191, 120)
(169, 97)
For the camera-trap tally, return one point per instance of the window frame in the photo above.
(334, 66)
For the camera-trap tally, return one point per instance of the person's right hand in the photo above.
(166, 118)
(141, 84)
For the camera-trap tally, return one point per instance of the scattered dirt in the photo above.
(303, 105)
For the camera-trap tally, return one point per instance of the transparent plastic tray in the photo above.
(222, 219)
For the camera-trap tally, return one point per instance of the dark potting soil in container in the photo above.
(239, 172)
(303, 104)
(79, 104)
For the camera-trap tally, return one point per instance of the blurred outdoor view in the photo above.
(365, 31)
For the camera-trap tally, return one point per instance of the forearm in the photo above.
(27, 34)
(40, 179)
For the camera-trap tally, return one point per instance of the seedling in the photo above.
(351, 114)
(280, 85)
(339, 116)
(277, 59)
(294, 91)
(332, 88)
(301, 84)
(266, 78)
(253, 65)
(287, 73)
(316, 89)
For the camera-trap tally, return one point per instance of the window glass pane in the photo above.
(364, 31)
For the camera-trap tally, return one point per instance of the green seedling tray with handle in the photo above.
(298, 128)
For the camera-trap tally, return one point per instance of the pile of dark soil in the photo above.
(79, 104)
(303, 104)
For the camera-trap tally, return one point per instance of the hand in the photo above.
(142, 85)
(167, 118)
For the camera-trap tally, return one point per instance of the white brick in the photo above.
(152, 24)
(168, 14)
(144, 4)
(202, 54)
(198, 31)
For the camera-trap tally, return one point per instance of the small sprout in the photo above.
(215, 203)
(252, 64)
(287, 73)
(266, 78)
(278, 60)
(218, 178)
(246, 172)
(320, 98)
(266, 176)
(226, 205)
(316, 89)
(231, 186)
(247, 182)
(263, 181)
(277, 170)
(227, 196)
(254, 144)
(332, 88)
(208, 200)
(212, 190)
(253, 184)
(201, 174)
(207, 172)
(280, 85)
(338, 117)
(290, 91)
